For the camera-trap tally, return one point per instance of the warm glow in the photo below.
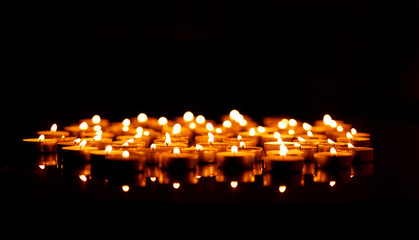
(252, 132)
(125, 144)
(82, 144)
(153, 179)
(126, 122)
(138, 135)
(198, 147)
(234, 114)
(353, 131)
(349, 135)
(108, 149)
(350, 145)
(309, 134)
(242, 122)
(125, 128)
(125, 188)
(277, 135)
(41, 138)
(139, 129)
(234, 184)
(261, 129)
(227, 124)
(333, 151)
(188, 116)
(327, 119)
(162, 121)
(234, 149)
(153, 146)
(330, 141)
(77, 141)
(176, 129)
(239, 137)
(301, 139)
(218, 130)
(83, 126)
(242, 145)
(332, 183)
(282, 125)
(176, 185)
(339, 128)
(83, 178)
(291, 132)
(41, 166)
(96, 119)
(97, 128)
(292, 122)
(283, 150)
(297, 145)
(210, 127)
(168, 140)
(210, 137)
(192, 125)
(142, 117)
(54, 127)
(306, 126)
(282, 188)
(98, 137)
(200, 119)
(333, 124)
(176, 150)
(125, 154)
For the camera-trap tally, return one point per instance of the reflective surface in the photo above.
(45, 178)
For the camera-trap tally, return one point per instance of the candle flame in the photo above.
(162, 121)
(108, 149)
(282, 188)
(235, 115)
(261, 129)
(96, 119)
(306, 126)
(309, 134)
(339, 128)
(168, 140)
(327, 119)
(142, 117)
(234, 184)
(332, 183)
(126, 122)
(234, 149)
(353, 131)
(153, 146)
(54, 127)
(82, 144)
(350, 145)
(242, 145)
(301, 139)
(283, 150)
(292, 122)
(227, 124)
(125, 154)
(330, 141)
(188, 116)
(252, 132)
(176, 185)
(176, 150)
(210, 127)
(83, 178)
(176, 129)
(125, 188)
(200, 119)
(199, 147)
(349, 135)
(333, 151)
(83, 126)
(210, 137)
(41, 138)
(297, 145)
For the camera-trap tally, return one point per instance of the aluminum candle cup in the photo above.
(275, 163)
(234, 160)
(124, 162)
(36, 145)
(77, 154)
(178, 161)
(333, 160)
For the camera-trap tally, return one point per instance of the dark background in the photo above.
(353, 59)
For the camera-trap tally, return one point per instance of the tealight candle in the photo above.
(361, 154)
(234, 159)
(333, 159)
(356, 141)
(205, 155)
(77, 153)
(284, 162)
(125, 162)
(53, 133)
(178, 160)
(41, 145)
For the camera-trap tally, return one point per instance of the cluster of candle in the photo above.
(238, 143)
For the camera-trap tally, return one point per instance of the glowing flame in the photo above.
(282, 188)
(234, 149)
(82, 144)
(239, 137)
(350, 145)
(333, 124)
(176, 150)
(176, 129)
(96, 119)
(176, 185)
(162, 121)
(301, 139)
(235, 115)
(188, 116)
(309, 134)
(353, 131)
(153, 146)
(349, 135)
(210, 137)
(306, 126)
(192, 125)
(227, 124)
(41, 138)
(83, 126)
(261, 129)
(125, 188)
(126, 122)
(282, 124)
(125, 154)
(83, 178)
(292, 122)
(234, 184)
(108, 149)
(218, 130)
(168, 140)
(54, 127)
(200, 119)
(333, 151)
(210, 127)
(327, 119)
(330, 141)
(142, 117)
(283, 150)
(252, 132)
(339, 128)
(332, 183)
(242, 145)
(198, 147)
(297, 145)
